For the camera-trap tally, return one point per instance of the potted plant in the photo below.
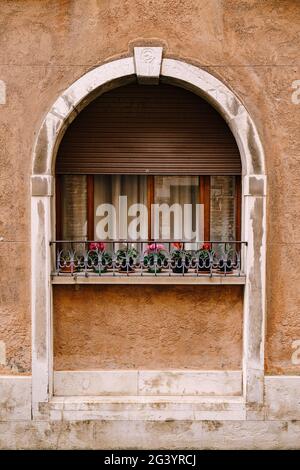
(68, 262)
(155, 257)
(180, 259)
(204, 258)
(99, 259)
(126, 259)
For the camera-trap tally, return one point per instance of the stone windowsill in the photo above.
(146, 279)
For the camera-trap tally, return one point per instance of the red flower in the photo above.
(178, 246)
(97, 246)
(206, 246)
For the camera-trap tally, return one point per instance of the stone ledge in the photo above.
(148, 383)
(282, 403)
(143, 408)
(146, 280)
(166, 434)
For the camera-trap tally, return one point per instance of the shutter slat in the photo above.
(152, 130)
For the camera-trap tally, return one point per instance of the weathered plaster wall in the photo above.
(147, 327)
(252, 46)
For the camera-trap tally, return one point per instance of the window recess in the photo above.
(131, 150)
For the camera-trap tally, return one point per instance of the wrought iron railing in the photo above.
(147, 258)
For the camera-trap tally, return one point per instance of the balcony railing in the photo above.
(171, 258)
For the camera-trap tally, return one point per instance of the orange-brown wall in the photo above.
(252, 46)
(147, 327)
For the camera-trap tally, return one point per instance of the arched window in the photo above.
(150, 164)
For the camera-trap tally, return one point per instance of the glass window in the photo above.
(222, 208)
(138, 207)
(73, 207)
(179, 194)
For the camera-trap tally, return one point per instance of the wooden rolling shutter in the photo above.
(154, 130)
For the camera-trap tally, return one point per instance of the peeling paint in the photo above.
(254, 149)
(2, 353)
(2, 92)
(40, 306)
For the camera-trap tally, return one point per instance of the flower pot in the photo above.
(225, 267)
(102, 270)
(178, 267)
(204, 266)
(180, 270)
(68, 269)
(203, 269)
(152, 270)
(127, 268)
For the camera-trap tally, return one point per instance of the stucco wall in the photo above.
(251, 46)
(147, 327)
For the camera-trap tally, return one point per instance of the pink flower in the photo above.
(155, 248)
(97, 246)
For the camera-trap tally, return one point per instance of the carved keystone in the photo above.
(147, 64)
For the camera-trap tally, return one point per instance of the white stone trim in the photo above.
(41, 299)
(42, 185)
(15, 398)
(145, 408)
(93, 383)
(254, 302)
(147, 62)
(282, 397)
(148, 382)
(145, 434)
(255, 185)
(151, 280)
(281, 404)
(75, 98)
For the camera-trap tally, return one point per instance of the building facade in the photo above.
(149, 170)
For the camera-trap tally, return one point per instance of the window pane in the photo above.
(74, 207)
(222, 208)
(176, 191)
(117, 215)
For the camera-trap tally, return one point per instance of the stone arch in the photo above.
(121, 72)
(148, 66)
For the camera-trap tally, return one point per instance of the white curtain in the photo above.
(110, 190)
(181, 192)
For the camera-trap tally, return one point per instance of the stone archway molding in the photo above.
(148, 66)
